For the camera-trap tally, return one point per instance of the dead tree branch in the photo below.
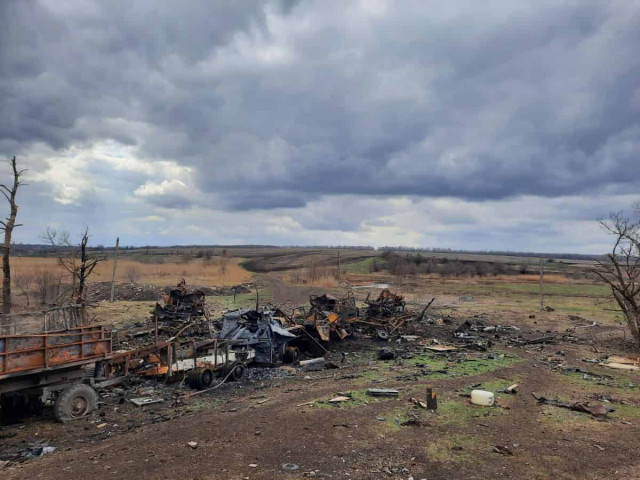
(620, 268)
(8, 225)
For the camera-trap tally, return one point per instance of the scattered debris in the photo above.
(339, 399)
(386, 354)
(512, 389)
(314, 361)
(290, 467)
(420, 403)
(442, 348)
(142, 401)
(482, 397)
(596, 409)
(502, 450)
(539, 340)
(432, 400)
(382, 392)
(623, 363)
(193, 445)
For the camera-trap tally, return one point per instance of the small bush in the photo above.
(133, 274)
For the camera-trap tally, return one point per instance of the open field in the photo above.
(196, 271)
(279, 416)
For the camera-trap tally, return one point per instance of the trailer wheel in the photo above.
(75, 402)
(236, 374)
(205, 378)
(290, 355)
(200, 378)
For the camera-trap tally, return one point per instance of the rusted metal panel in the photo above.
(24, 353)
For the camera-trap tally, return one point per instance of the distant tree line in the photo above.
(500, 253)
(408, 264)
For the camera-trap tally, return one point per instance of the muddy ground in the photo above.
(278, 423)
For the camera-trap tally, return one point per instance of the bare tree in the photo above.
(8, 226)
(75, 259)
(133, 274)
(620, 269)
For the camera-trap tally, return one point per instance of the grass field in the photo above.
(195, 272)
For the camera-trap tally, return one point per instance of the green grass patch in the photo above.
(205, 404)
(620, 381)
(218, 304)
(580, 299)
(361, 267)
(395, 418)
(463, 367)
(455, 413)
(563, 416)
(456, 448)
(625, 411)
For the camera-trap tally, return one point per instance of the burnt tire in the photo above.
(236, 373)
(201, 378)
(382, 335)
(75, 402)
(290, 355)
(205, 378)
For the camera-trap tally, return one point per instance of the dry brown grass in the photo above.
(325, 281)
(195, 272)
(464, 279)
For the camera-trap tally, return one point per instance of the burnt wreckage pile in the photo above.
(272, 335)
(182, 343)
(183, 307)
(330, 318)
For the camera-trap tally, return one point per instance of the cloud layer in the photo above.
(497, 124)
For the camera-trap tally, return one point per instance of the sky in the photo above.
(493, 125)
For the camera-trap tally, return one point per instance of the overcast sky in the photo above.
(464, 124)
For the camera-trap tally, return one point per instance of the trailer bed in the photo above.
(33, 353)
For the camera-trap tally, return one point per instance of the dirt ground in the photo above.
(278, 423)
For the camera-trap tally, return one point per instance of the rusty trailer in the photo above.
(35, 353)
(50, 367)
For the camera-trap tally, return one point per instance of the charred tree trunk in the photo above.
(8, 225)
(631, 311)
(87, 264)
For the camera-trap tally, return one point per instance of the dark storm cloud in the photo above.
(277, 104)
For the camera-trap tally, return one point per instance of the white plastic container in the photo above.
(482, 397)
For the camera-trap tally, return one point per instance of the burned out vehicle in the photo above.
(261, 331)
(388, 304)
(327, 317)
(183, 305)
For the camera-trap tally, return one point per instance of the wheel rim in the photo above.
(207, 378)
(79, 407)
